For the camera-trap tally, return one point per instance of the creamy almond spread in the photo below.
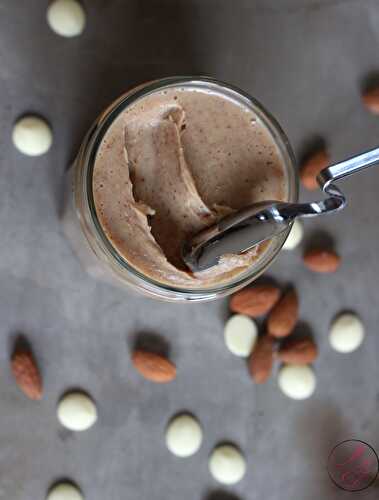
(173, 163)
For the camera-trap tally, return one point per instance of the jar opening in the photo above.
(88, 159)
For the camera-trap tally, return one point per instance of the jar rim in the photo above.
(95, 138)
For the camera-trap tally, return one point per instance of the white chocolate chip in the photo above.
(297, 381)
(65, 491)
(295, 236)
(227, 464)
(66, 17)
(32, 136)
(240, 335)
(346, 333)
(184, 435)
(76, 411)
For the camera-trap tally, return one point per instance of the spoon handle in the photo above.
(348, 167)
(261, 221)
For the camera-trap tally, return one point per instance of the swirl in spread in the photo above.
(174, 163)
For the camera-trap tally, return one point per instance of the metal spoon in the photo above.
(256, 223)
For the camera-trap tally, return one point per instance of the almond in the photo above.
(261, 359)
(153, 366)
(255, 301)
(26, 373)
(312, 167)
(322, 261)
(298, 351)
(371, 100)
(284, 316)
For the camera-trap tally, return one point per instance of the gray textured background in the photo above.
(306, 60)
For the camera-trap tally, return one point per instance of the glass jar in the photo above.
(84, 230)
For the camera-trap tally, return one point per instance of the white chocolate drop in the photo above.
(76, 411)
(297, 381)
(66, 17)
(240, 335)
(227, 464)
(346, 333)
(65, 491)
(184, 435)
(295, 236)
(32, 136)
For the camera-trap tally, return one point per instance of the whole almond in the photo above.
(312, 167)
(153, 366)
(255, 301)
(298, 351)
(322, 261)
(371, 100)
(283, 318)
(26, 373)
(261, 359)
